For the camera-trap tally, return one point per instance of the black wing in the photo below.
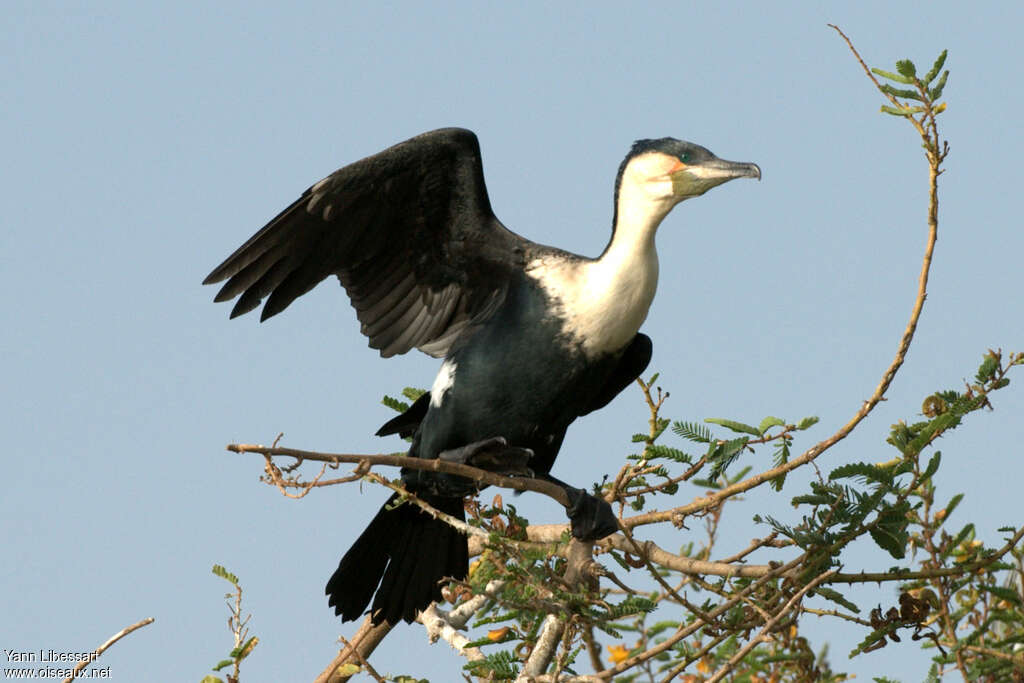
(634, 361)
(408, 231)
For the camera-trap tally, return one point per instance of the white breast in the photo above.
(442, 383)
(601, 303)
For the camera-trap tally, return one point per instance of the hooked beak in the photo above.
(694, 180)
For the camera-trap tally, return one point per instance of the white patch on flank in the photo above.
(603, 302)
(442, 383)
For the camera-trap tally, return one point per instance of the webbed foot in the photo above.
(591, 518)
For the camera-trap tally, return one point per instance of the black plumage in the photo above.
(408, 232)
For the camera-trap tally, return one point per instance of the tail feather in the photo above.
(401, 556)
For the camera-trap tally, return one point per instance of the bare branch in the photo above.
(542, 653)
(359, 648)
(362, 661)
(103, 648)
(482, 477)
(439, 626)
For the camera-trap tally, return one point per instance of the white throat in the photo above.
(603, 302)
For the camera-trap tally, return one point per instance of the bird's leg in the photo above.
(493, 455)
(591, 518)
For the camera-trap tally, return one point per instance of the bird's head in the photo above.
(658, 174)
(670, 170)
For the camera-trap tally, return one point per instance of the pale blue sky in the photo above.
(144, 141)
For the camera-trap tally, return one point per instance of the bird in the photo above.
(532, 337)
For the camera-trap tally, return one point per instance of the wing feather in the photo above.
(410, 234)
(393, 307)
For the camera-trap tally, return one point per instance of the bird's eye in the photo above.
(684, 157)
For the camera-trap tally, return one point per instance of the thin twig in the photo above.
(756, 544)
(362, 660)
(679, 668)
(102, 648)
(482, 477)
(362, 644)
(684, 631)
(753, 642)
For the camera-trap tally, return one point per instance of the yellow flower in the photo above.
(618, 653)
(497, 635)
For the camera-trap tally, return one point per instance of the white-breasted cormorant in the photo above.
(532, 336)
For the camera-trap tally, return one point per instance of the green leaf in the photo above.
(936, 68)
(952, 505)
(210, 678)
(692, 431)
(245, 649)
(806, 423)
(620, 560)
(503, 664)
(395, 404)
(674, 454)
(812, 499)
(734, 426)
(837, 597)
(413, 393)
(892, 77)
(770, 422)
(223, 663)
(640, 438)
(967, 531)
(1008, 594)
(780, 457)
(936, 92)
(906, 68)
(225, 574)
(659, 428)
(635, 604)
(933, 465)
(722, 455)
(860, 469)
(987, 368)
(890, 533)
(901, 111)
(900, 92)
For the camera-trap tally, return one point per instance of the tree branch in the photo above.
(481, 477)
(359, 648)
(103, 648)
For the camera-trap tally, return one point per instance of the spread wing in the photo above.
(410, 234)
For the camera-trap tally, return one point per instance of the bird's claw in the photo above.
(493, 455)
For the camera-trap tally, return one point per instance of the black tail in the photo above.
(407, 552)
